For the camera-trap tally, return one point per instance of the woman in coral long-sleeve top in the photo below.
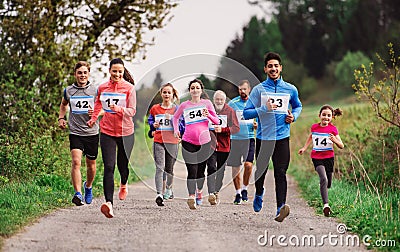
(118, 99)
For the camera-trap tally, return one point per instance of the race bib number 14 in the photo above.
(321, 141)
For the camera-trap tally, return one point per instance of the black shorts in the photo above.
(328, 163)
(239, 149)
(89, 145)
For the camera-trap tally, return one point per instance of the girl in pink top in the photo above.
(324, 136)
(196, 141)
(118, 99)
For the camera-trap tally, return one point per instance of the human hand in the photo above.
(255, 124)
(270, 105)
(177, 134)
(289, 117)
(217, 128)
(62, 123)
(156, 124)
(205, 112)
(90, 123)
(301, 151)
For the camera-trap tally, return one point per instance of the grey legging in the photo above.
(164, 157)
(325, 182)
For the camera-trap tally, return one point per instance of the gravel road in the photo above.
(140, 225)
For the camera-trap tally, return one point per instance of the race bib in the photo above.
(223, 122)
(321, 141)
(112, 98)
(239, 115)
(194, 115)
(281, 100)
(81, 104)
(165, 121)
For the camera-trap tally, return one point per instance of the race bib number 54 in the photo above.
(194, 115)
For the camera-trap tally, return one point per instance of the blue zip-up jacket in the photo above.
(271, 124)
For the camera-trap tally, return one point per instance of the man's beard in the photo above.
(243, 96)
(219, 107)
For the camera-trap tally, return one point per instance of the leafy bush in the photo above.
(344, 72)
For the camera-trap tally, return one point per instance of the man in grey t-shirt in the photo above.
(79, 97)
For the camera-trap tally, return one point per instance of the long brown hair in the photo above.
(335, 112)
(203, 95)
(127, 75)
(174, 91)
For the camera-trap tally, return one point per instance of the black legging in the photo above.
(195, 157)
(280, 152)
(123, 146)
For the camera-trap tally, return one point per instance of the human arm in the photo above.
(308, 142)
(250, 111)
(296, 106)
(130, 109)
(62, 122)
(177, 120)
(337, 140)
(96, 110)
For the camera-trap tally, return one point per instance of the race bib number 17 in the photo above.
(112, 98)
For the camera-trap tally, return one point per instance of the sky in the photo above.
(198, 27)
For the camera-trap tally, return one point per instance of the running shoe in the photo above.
(282, 212)
(258, 202)
(191, 203)
(77, 199)
(159, 200)
(88, 194)
(168, 193)
(245, 198)
(199, 198)
(171, 196)
(238, 199)
(107, 210)
(123, 191)
(327, 211)
(212, 199)
(217, 199)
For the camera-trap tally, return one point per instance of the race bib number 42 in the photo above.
(194, 115)
(81, 104)
(281, 100)
(112, 98)
(321, 141)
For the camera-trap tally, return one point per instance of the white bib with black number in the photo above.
(321, 141)
(239, 115)
(112, 98)
(194, 115)
(223, 122)
(165, 121)
(281, 100)
(81, 104)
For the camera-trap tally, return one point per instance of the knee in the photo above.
(323, 181)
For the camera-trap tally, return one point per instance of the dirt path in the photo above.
(140, 225)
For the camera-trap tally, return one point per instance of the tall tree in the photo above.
(40, 39)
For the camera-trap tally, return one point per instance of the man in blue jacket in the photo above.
(270, 102)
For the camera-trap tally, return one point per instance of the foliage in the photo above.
(344, 72)
(383, 94)
(35, 59)
(315, 32)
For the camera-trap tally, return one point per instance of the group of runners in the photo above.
(212, 135)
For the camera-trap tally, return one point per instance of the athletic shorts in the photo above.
(89, 145)
(328, 163)
(241, 149)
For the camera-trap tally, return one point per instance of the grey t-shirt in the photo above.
(80, 100)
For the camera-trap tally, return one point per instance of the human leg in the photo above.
(221, 163)
(159, 160)
(108, 148)
(211, 172)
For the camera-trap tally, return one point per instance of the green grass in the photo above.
(365, 207)
(21, 203)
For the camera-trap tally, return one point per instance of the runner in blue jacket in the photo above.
(276, 104)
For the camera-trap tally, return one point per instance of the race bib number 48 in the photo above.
(321, 142)
(281, 100)
(165, 121)
(194, 115)
(81, 104)
(112, 98)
